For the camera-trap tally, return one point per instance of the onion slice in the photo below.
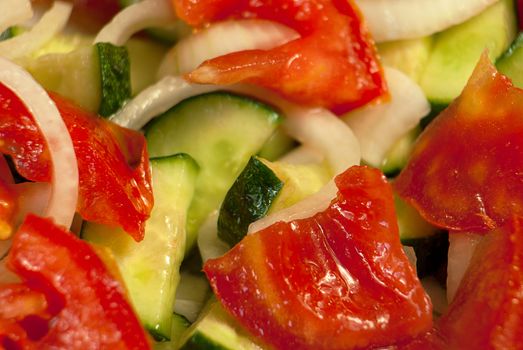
(64, 193)
(132, 19)
(51, 23)
(379, 126)
(209, 43)
(14, 12)
(407, 19)
(461, 248)
(209, 244)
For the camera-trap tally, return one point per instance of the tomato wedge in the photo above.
(115, 180)
(334, 63)
(89, 306)
(465, 170)
(8, 207)
(486, 312)
(337, 280)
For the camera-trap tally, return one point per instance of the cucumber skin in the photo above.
(199, 342)
(7, 34)
(248, 200)
(115, 77)
(510, 63)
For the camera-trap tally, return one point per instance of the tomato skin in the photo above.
(334, 64)
(8, 207)
(337, 280)
(113, 165)
(464, 173)
(89, 305)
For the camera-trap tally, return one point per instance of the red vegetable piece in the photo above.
(487, 312)
(334, 63)
(465, 170)
(90, 305)
(337, 280)
(8, 207)
(115, 182)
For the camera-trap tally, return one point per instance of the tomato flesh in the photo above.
(337, 280)
(465, 170)
(113, 165)
(334, 63)
(89, 306)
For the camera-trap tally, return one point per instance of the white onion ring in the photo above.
(14, 12)
(64, 194)
(222, 38)
(51, 23)
(379, 126)
(407, 19)
(209, 244)
(132, 19)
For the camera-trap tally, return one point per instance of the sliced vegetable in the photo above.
(510, 62)
(191, 295)
(51, 23)
(354, 288)
(27, 108)
(150, 268)
(221, 131)
(132, 19)
(8, 208)
(95, 77)
(486, 312)
(114, 175)
(407, 19)
(248, 34)
(334, 43)
(378, 127)
(464, 172)
(398, 155)
(409, 56)
(13, 12)
(456, 51)
(88, 304)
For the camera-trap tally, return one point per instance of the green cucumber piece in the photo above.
(511, 62)
(397, 157)
(221, 131)
(216, 330)
(409, 56)
(150, 268)
(248, 200)
(456, 50)
(265, 187)
(115, 76)
(145, 57)
(96, 77)
(7, 34)
(179, 326)
(411, 225)
(277, 145)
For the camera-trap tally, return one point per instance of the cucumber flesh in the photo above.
(96, 77)
(277, 145)
(150, 268)
(397, 157)
(215, 329)
(511, 62)
(179, 326)
(456, 50)
(145, 57)
(411, 225)
(221, 131)
(409, 56)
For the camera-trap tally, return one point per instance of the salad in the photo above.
(229, 174)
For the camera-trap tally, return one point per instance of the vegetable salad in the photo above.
(232, 174)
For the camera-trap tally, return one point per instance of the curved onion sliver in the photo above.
(51, 23)
(408, 19)
(132, 19)
(14, 12)
(64, 194)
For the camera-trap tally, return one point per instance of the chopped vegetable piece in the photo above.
(337, 280)
(333, 64)
(486, 312)
(465, 170)
(8, 207)
(115, 185)
(89, 304)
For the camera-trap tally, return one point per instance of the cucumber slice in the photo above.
(6, 34)
(399, 154)
(221, 131)
(179, 326)
(277, 145)
(215, 329)
(95, 77)
(411, 225)
(264, 187)
(409, 56)
(150, 268)
(145, 57)
(457, 50)
(511, 62)
(248, 200)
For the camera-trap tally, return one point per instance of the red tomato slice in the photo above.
(487, 312)
(465, 170)
(8, 207)
(334, 63)
(115, 182)
(337, 280)
(90, 307)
